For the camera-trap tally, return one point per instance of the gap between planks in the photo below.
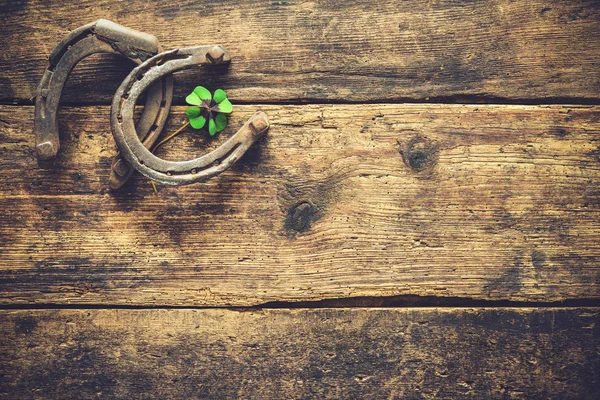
(389, 302)
(444, 100)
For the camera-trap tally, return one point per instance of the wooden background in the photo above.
(422, 220)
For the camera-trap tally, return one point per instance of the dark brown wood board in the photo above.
(302, 354)
(483, 202)
(342, 51)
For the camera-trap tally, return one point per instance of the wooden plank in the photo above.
(494, 50)
(483, 202)
(325, 353)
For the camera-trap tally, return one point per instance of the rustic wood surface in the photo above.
(494, 50)
(484, 202)
(363, 203)
(303, 354)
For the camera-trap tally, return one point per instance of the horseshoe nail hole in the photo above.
(141, 162)
(139, 77)
(153, 127)
(120, 118)
(163, 103)
(194, 171)
(216, 163)
(169, 173)
(125, 95)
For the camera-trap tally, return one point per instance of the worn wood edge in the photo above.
(67, 241)
(324, 353)
(299, 51)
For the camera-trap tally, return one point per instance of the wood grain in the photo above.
(482, 202)
(303, 51)
(301, 354)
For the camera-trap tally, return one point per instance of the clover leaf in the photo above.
(213, 109)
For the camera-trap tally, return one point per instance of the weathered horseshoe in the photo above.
(176, 172)
(101, 36)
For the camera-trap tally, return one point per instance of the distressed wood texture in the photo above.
(301, 354)
(494, 50)
(483, 202)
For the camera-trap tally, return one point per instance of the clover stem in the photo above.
(165, 140)
(171, 136)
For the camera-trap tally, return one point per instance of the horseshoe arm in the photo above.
(48, 94)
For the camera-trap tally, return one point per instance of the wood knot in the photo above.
(560, 132)
(300, 216)
(25, 325)
(419, 154)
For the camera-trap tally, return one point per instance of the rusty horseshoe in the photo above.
(101, 36)
(176, 172)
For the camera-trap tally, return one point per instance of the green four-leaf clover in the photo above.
(212, 108)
